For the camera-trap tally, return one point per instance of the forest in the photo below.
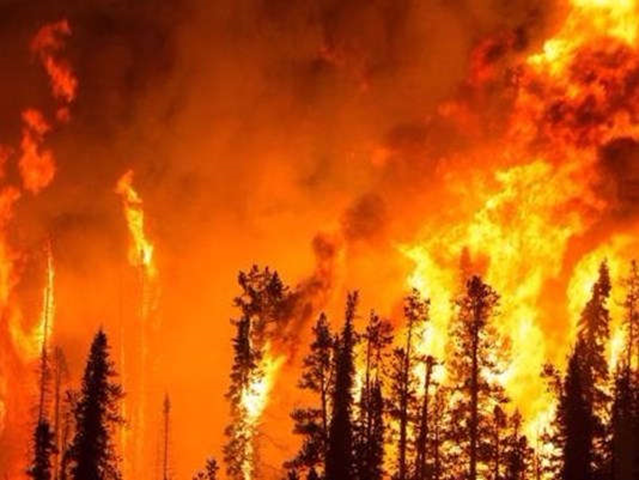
(379, 405)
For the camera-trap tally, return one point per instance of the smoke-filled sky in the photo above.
(252, 126)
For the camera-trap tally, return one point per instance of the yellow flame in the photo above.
(141, 249)
(254, 401)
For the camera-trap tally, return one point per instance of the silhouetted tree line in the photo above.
(395, 416)
(384, 407)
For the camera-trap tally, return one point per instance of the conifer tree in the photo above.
(496, 444)
(92, 452)
(473, 366)
(263, 303)
(339, 458)
(575, 421)
(44, 448)
(593, 334)
(624, 442)
(209, 472)
(631, 318)
(517, 453)
(313, 422)
(421, 467)
(369, 426)
(403, 399)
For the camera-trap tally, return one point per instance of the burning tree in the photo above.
(473, 367)
(370, 423)
(404, 380)
(263, 303)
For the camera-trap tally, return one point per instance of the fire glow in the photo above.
(533, 199)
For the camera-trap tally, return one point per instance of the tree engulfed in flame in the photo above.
(141, 257)
(254, 401)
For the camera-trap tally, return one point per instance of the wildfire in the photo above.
(517, 228)
(141, 249)
(254, 401)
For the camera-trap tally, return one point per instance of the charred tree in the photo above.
(92, 453)
(339, 458)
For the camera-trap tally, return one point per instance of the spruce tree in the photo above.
(339, 458)
(473, 367)
(92, 452)
(313, 422)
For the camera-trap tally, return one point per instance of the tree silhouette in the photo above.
(473, 367)
(424, 434)
(517, 453)
(92, 452)
(631, 318)
(339, 458)
(313, 422)
(209, 472)
(44, 448)
(593, 334)
(575, 419)
(624, 440)
(369, 426)
(403, 398)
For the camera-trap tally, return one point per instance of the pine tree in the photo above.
(517, 453)
(424, 434)
(624, 443)
(313, 422)
(593, 334)
(44, 448)
(473, 366)
(339, 458)
(631, 320)
(496, 447)
(575, 421)
(60, 378)
(403, 399)
(92, 452)
(209, 472)
(369, 426)
(263, 303)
